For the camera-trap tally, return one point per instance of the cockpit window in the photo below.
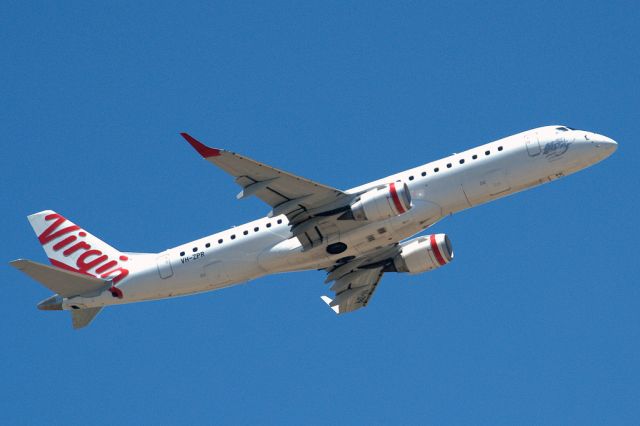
(562, 129)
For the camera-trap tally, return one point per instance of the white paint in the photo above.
(513, 164)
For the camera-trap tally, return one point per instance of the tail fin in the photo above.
(72, 248)
(83, 317)
(65, 284)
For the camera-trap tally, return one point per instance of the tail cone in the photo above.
(54, 303)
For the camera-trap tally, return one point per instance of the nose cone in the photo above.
(608, 144)
(605, 144)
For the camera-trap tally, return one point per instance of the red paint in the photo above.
(48, 234)
(202, 149)
(64, 242)
(85, 265)
(116, 292)
(77, 246)
(87, 259)
(66, 267)
(436, 250)
(110, 264)
(122, 273)
(395, 198)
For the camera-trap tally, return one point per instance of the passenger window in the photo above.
(207, 245)
(245, 232)
(195, 249)
(462, 161)
(448, 165)
(181, 253)
(499, 148)
(220, 241)
(424, 173)
(256, 229)
(410, 177)
(279, 221)
(436, 170)
(487, 152)
(268, 225)
(233, 237)
(475, 157)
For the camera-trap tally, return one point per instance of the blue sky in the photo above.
(537, 321)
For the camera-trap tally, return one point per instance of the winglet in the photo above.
(328, 301)
(202, 149)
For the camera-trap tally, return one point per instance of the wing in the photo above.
(354, 290)
(310, 207)
(357, 280)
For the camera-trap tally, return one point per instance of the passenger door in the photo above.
(532, 143)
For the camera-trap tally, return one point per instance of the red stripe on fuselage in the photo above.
(395, 198)
(436, 250)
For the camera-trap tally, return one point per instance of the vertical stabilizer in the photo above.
(72, 248)
(83, 317)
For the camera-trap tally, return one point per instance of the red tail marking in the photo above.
(74, 248)
(66, 267)
(122, 273)
(83, 262)
(110, 264)
(86, 266)
(48, 234)
(64, 242)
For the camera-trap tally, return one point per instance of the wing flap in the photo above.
(354, 290)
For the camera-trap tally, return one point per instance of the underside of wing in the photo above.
(355, 281)
(354, 290)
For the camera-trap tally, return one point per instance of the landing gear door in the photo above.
(533, 145)
(164, 266)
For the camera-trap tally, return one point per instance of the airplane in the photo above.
(355, 236)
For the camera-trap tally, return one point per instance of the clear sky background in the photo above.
(537, 321)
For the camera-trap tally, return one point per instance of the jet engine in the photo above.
(381, 203)
(424, 254)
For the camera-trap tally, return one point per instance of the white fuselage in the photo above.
(442, 187)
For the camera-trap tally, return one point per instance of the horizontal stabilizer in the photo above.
(83, 317)
(64, 283)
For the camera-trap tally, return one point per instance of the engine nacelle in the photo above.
(424, 254)
(391, 200)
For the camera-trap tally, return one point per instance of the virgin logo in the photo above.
(88, 259)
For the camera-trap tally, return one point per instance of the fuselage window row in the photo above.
(268, 224)
(449, 165)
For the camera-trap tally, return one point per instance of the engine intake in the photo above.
(424, 254)
(391, 200)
